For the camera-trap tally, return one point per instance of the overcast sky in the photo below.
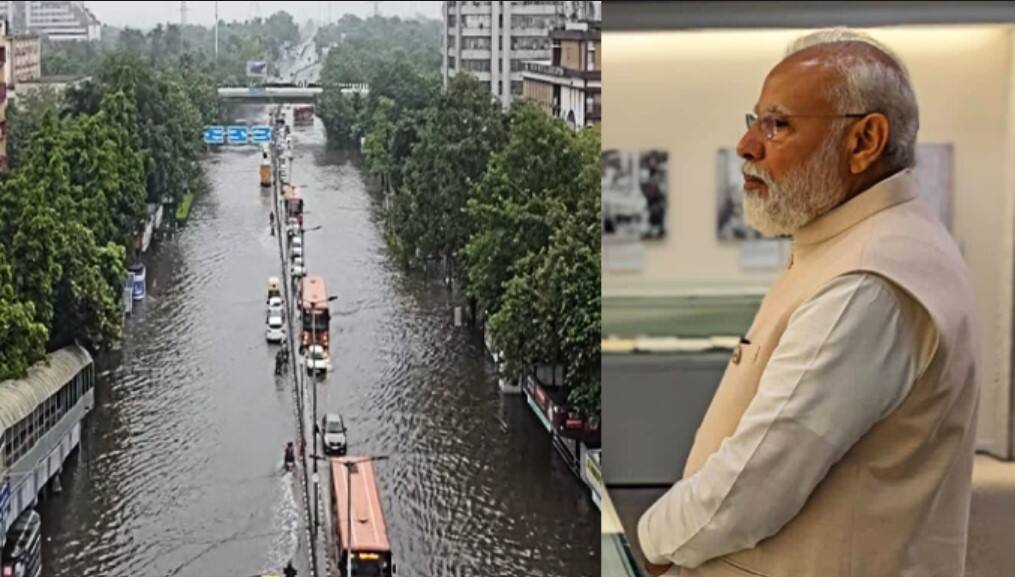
(147, 14)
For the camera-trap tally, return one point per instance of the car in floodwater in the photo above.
(275, 333)
(333, 434)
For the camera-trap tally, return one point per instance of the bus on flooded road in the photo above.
(315, 317)
(368, 544)
(293, 202)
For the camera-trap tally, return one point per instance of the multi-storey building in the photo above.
(569, 85)
(55, 20)
(492, 40)
(24, 59)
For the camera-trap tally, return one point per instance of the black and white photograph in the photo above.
(731, 224)
(634, 204)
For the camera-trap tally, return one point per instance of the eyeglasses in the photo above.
(774, 125)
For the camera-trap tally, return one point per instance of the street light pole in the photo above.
(313, 420)
(348, 501)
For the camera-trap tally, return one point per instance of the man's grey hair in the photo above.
(870, 84)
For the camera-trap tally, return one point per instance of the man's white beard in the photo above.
(799, 197)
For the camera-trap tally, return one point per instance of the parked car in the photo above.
(275, 333)
(297, 270)
(296, 250)
(276, 307)
(333, 434)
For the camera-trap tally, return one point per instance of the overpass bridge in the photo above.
(281, 94)
(269, 94)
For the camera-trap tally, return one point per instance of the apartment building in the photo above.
(569, 85)
(493, 40)
(55, 20)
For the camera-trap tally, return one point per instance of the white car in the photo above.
(275, 332)
(297, 270)
(296, 251)
(276, 307)
(315, 359)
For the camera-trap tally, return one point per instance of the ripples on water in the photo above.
(183, 449)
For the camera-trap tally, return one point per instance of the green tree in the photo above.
(33, 250)
(22, 336)
(23, 119)
(465, 128)
(533, 263)
(377, 141)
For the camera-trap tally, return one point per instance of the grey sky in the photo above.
(147, 14)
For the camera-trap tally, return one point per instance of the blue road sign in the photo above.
(214, 134)
(238, 134)
(260, 134)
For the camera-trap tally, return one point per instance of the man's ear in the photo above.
(867, 140)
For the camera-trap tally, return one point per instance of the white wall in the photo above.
(687, 92)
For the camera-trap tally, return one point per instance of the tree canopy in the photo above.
(509, 200)
(82, 167)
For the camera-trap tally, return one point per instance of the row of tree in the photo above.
(188, 46)
(508, 201)
(81, 168)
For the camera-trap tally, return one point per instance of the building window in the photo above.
(451, 20)
(476, 21)
(517, 65)
(530, 43)
(451, 61)
(476, 43)
(538, 21)
(476, 65)
(516, 88)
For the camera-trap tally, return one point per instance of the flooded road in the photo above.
(180, 472)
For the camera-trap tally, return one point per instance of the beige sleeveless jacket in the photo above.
(897, 503)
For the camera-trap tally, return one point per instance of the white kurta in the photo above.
(849, 357)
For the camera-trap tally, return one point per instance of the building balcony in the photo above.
(533, 8)
(476, 54)
(561, 72)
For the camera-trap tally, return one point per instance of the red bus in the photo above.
(293, 202)
(368, 544)
(303, 114)
(316, 317)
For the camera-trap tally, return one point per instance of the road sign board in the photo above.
(238, 134)
(260, 134)
(214, 134)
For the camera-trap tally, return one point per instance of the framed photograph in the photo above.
(634, 189)
(731, 224)
(652, 175)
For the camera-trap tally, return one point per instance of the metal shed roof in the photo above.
(19, 397)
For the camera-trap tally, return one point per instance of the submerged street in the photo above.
(180, 471)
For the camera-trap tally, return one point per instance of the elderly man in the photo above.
(840, 440)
